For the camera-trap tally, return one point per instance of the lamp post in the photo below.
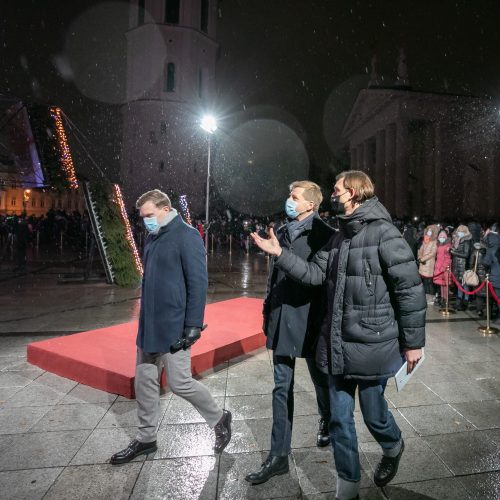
(209, 124)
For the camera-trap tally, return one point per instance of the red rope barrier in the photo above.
(493, 294)
(437, 275)
(463, 290)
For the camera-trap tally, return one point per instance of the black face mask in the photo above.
(337, 206)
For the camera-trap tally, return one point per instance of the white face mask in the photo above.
(429, 233)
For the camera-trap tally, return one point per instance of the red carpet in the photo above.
(105, 358)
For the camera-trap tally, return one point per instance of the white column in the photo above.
(390, 159)
(401, 177)
(438, 169)
(380, 165)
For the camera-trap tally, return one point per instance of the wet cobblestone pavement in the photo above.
(56, 436)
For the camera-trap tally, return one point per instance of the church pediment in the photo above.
(369, 103)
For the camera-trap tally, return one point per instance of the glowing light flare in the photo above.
(128, 229)
(209, 124)
(65, 153)
(185, 209)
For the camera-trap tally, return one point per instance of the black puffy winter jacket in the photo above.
(376, 302)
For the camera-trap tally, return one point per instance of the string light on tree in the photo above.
(128, 229)
(65, 153)
(185, 209)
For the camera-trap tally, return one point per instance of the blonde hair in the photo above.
(360, 183)
(312, 192)
(159, 198)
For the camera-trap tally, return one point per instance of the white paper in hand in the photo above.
(401, 378)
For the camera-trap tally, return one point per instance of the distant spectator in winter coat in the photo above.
(461, 245)
(410, 235)
(475, 231)
(201, 230)
(426, 259)
(492, 261)
(443, 260)
(476, 263)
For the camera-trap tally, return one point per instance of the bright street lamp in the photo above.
(208, 124)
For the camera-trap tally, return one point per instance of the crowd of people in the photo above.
(461, 246)
(458, 257)
(22, 236)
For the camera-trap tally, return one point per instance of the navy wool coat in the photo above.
(292, 311)
(174, 286)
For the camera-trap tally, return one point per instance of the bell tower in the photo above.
(171, 56)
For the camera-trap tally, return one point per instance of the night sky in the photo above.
(306, 60)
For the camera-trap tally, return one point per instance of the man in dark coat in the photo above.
(22, 234)
(174, 289)
(292, 317)
(376, 317)
(492, 261)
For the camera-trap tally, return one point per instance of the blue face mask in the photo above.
(291, 209)
(151, 223)
(442, 240)
(460, 234)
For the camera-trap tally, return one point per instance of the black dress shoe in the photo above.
(323, 437)
(387, 468)
(134, 449)
(223, 432)
(273, 466)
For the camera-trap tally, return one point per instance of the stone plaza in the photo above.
(56, 436)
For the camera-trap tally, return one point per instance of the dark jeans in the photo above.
(376, 415)
(284, 371)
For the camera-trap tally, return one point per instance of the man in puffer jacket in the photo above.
(375, 319)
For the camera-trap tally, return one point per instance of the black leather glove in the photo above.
(189, 336)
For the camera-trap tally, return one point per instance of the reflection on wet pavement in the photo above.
(56, 436)
(38, 302)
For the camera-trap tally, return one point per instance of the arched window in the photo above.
(172, 8)
(141, 6)
(169, 85)
(204, 15)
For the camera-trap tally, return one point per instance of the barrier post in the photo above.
(446, 311)
(212, 242)
(230, 243)
(488, 329)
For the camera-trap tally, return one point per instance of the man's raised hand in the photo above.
(270, 245)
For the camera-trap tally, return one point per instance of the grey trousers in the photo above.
(181, 382)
